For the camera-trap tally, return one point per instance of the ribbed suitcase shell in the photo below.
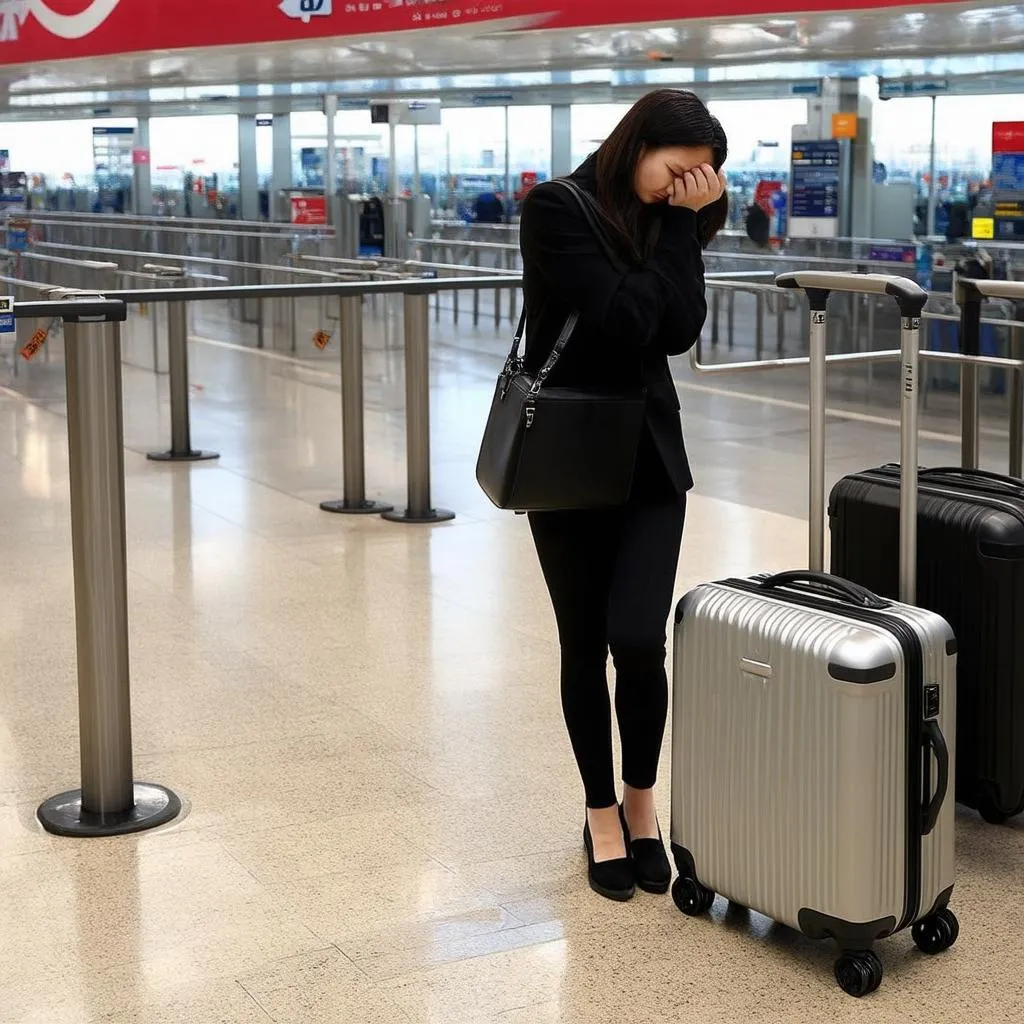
(790, 786)
(970, 571)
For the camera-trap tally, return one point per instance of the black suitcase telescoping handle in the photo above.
(911, 299)
(834, 586)
(935, 743)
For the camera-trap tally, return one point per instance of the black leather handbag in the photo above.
(551, 448)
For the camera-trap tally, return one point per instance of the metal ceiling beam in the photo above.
(598, 92)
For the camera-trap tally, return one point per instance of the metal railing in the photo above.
(248, 311)
(969, 362)
(154, 221)
(419, 506)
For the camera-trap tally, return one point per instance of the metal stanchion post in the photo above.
(510, 263)
(759, 330)
(353, 500)
(110, 802)
(730, 316)
(181, 449)
(476, 291)
(417, 414)
(870, 343)
(715, 303)
(1016, 405)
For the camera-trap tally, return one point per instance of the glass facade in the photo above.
(487, 149)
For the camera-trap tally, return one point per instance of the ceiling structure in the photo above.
(525, 52)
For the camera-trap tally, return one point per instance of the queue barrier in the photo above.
(416, 294)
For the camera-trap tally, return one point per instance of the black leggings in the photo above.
(611, 575)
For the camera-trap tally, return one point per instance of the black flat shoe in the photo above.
(610, 878)
(651, 868)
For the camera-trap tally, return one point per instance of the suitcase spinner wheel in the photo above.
(859, 974)
(692, 898)
(936, 933)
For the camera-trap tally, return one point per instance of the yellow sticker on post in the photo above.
(7, 325)
(983, 227)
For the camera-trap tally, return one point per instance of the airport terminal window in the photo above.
(67, 166)
(362, 149)
(529, 133)
(901, 133)
(472, 162)
(591, 123)
(195, 160)
(65, 177)
(760, 135)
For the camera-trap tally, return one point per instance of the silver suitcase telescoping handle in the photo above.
(911, 299)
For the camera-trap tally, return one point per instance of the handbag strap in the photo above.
(586, 205)
(557, 349)
(589, 208)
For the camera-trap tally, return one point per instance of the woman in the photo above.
(661, 198)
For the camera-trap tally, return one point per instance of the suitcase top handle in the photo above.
(831, 586)
(909, 296)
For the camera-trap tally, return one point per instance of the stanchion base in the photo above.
(63, 815)
(185, 457)
(356, 508)
(435, 515)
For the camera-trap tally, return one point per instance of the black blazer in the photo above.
(631, 320)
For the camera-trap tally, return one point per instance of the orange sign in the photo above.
(35, 343)
(844, 126)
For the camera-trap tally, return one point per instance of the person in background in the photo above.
(489, 208)
(660, 197)
(759, 226)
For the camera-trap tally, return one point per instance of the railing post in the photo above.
(417, 414)
(353, 500)
(181, 449)
(109, 802)
(970, 344)
(1016, 404)
(759, 297)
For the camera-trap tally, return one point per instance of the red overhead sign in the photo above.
(32, 31)
(309, 209)
(1008, 137)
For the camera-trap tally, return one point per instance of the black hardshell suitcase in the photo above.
(971, 572)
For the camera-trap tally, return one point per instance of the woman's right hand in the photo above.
(698, 188)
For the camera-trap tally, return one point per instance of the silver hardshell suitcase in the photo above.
(813, 724)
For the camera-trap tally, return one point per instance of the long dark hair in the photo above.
(666, 117)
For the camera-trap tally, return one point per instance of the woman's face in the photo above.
(657, 169)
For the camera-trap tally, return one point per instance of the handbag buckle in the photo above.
(530, 412)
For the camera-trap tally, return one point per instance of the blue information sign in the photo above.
(893, 254)
(1008, 192)
(7, 315)
(817, 170)
(1008, 172)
